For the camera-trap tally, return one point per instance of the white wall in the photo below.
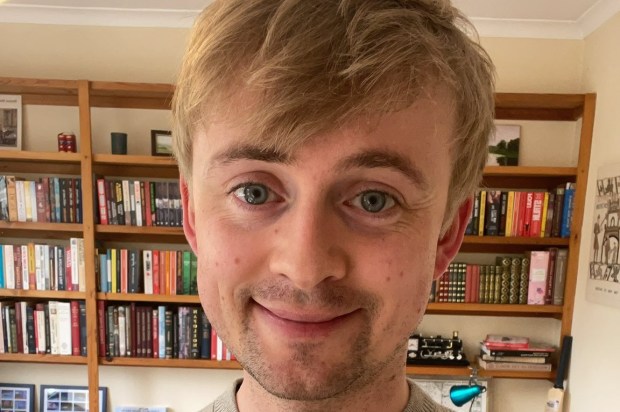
(595, 365)
(153, 55)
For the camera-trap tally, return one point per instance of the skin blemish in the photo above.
(401, 274)
(387, 279)
(237, 261)
(276, 231)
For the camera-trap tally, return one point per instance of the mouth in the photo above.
(299, 324)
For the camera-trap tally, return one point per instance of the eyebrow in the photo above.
(386, 159)
(380, 158)
(250, 152)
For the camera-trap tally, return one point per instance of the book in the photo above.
(559, 278)
(493, 341)
(537, 283)
(518, 359)
(514, 366)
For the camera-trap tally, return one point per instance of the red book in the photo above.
(537, 211)
(527, 217)
(468, 283)
(155, 266)
(68, 269)
(102, 200)
(75, 328)
(520, 222)
(18, 327)
(101, 317)
(124, 263)
(155, 330)
(173, 272)
(213, 344)
(147, 203)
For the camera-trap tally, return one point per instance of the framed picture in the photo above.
(16, 397)
(161, 143)
(10, 122)
(504, 145)
(69, 398)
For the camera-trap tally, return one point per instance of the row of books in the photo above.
(54, 327)
(47, 199)
(516, 353)
(162, 332)
(43, 267)
(537, 278)
(159, 272)
(512, 213)
(139, 203)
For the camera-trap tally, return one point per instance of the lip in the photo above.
(302, 325)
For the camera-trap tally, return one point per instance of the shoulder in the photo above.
(419, 401)
(227, 401)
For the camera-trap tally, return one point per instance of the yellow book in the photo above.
(167, 270)
(31, 267)
(509, 211)
(113, 270)
(481, 220)
(543, 223)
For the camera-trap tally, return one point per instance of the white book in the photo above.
(41, 341)
(7, 326)
(81, 266)
(147, 265)
(38, 270)
(24, 320)
(53, 320)
(9, 267)
(220, 349)
(45, 266)
(33, 199)
(20, 197)
(138, 200)
(64, 328)
(25, 273)
(73, 242)
(126, 202)
(122, 334)
(162, 331)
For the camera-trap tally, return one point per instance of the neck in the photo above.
(387, 392)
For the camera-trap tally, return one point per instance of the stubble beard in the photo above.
(305, 376)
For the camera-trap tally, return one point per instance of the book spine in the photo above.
(539, 263)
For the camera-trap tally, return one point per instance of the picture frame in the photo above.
(161, 143)
(504, 145)
(10, 122)
(54, 398)
(16, 397)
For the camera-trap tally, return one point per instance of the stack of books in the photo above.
(514, 353)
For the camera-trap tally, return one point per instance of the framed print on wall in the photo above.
(69, 398)
(16, 397)
(10, 122)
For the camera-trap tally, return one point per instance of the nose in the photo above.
(311, 247)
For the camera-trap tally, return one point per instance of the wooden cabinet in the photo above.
(86, 95)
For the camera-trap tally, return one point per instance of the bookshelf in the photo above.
(86, 95)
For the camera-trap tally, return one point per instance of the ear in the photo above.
(450, 242)
(188, 215)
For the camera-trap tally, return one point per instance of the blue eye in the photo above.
(373, 201)
(253, 193)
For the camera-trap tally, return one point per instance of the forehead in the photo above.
(234, 121)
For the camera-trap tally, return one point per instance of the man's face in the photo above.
(314, 268)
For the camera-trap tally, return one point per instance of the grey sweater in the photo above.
(418, 400)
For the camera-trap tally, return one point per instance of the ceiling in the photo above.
(573, 19)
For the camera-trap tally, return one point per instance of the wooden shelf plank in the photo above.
(171, 363)
(46, 162)
(40, 230)
(152, 234)
(482, 309)
(42, 358)
(158, 167)
(42, 294)
(141, 297)
(535, 171)
(529, 241)
(465, 371)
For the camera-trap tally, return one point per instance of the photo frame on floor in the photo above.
(54, 398)
(16, 397)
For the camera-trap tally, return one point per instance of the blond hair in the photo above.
(313, 65)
